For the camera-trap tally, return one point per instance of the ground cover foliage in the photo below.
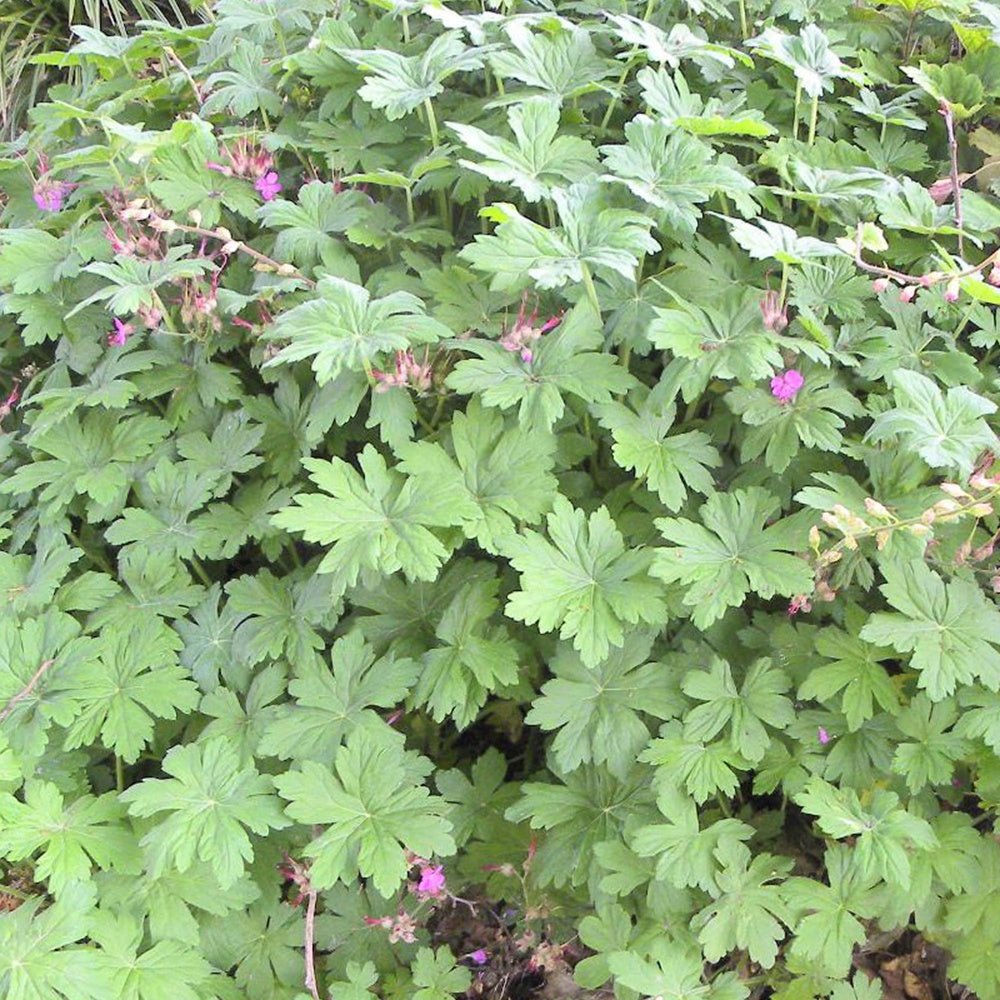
(503, 498)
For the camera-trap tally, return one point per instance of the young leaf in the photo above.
(437, 975)
(210, 797)
(759, 700)
(583, 581)
(598, 712)
(540, 160)
(884, 830)
(342, 328)
(373, 810)
(950, 628)
(379, 523)
(87, 831)
(135, 680)
(730, 554)
(672, 464)
(946, 429)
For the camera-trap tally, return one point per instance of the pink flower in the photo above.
(822, 735)
(122, 332)
(799, 603)
(49, 195)
(786, 386)
(268, 186)
(478, 956)
(431, 880)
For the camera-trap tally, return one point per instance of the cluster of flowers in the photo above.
(407, 372)
(523, 334)
(250, 162)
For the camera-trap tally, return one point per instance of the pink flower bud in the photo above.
(879, 285)
(822, 735)
(940, 190)
(951, 292)
(908, 293)
(994, 277)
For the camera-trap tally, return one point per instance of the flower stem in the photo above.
(588, 284)
(813, 115)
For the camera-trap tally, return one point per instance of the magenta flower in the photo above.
(49, 195)
(785, 386)
(822, 735)
(431, 880)
(122, 332)
(478, 956)
(268, 185)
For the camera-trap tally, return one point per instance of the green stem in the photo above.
(783, 291)
(744, 23)
(813, 115)
(406, 29)
(432, 124)
(409, 205)
(199, 571)
(795, 111)
(119, 774)
(588, 284)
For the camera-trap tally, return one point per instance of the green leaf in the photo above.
(33, 260)
(135, 679)
(169, 970)
(856, 673)
(506, 473)
(566, 361)
(766, 240)
(342, 328)
(306, 226)
(210, 797)
(929, 756)
(672, 465)
(539, 160)
(951, 629)
(674, 972)
(885, 831)
(759, 700)
(373, 810)
(704, 769)
(673, 172)
(473, 658)
(331, 702)
(809, 56)
(379, 523)
(946, 429)
(686, 854)
(730, 554)
(39, 957)
(437, 975)
(747, 913)
(598, 712)
(827, 918)
(583, 582)
(76, 836)
(248, 84)
(780, 429)
(563, 63)
(590, 236)
(399, 83)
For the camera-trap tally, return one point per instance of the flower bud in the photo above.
(930, 278)
(879, 285)
(981, 509)
(994, 276)
(908, 293)
(952, 291)
(954, 490)
(875, 508)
